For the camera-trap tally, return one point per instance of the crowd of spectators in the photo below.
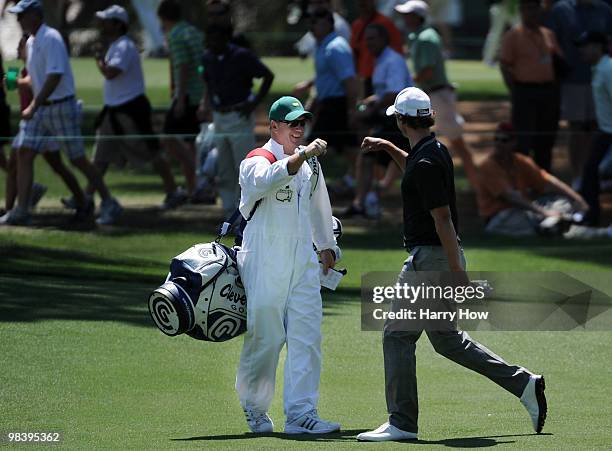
(552, 60)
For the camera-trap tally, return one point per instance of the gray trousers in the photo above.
(234, 139)
(399, 351)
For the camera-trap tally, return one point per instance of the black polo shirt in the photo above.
(428, 183)
(229, 77)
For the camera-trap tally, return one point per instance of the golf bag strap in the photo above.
(225, 227)
(259, 152)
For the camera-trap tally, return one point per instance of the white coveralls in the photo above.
(280, 272)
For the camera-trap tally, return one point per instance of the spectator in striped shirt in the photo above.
(185, 45)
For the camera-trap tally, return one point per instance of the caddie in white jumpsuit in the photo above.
(280, 272)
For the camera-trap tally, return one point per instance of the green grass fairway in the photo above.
(475, 80)
(79, 354)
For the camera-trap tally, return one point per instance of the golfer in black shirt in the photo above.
(430, 236)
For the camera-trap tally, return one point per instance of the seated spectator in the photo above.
(390, 76)
(518, 198)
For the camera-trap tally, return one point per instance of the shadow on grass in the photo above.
(39, 261)
(138, 220)
(53, 298)
(47, 284)
(342, 436)
(350, 436)
(475, 442)
(63, 284)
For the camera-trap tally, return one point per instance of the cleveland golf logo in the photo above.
(232, 296)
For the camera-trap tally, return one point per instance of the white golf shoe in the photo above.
(311, 423)
(259, 422)
(386, 433)
(534, 400)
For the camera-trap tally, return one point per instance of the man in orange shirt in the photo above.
(364, 61)
(515, 195)
(527, 66)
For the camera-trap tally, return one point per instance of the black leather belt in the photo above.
(55, 102)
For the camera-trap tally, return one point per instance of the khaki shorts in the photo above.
(113, 149)
(449, 122)
(577, 103)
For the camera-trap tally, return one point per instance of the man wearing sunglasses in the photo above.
(287, 207)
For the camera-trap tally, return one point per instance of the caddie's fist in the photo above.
(316, 148)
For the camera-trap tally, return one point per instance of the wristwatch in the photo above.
(302, 153)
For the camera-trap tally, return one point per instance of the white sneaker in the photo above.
(535, 402)
(386, 433)
(259, 422)
(109, 212)
(311, 423)
(16, 216)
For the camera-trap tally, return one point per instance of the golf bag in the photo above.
(202, 296)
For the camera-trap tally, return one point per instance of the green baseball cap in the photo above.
(288, 108)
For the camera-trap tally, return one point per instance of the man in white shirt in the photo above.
(127, 110)
(53, 112)
(594, 50)
(390, 76)
(287, 208)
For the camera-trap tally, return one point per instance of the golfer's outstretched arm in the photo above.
(370, 144)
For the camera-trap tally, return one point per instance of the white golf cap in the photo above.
(411, 102)
(114, 12)
(418, 7)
